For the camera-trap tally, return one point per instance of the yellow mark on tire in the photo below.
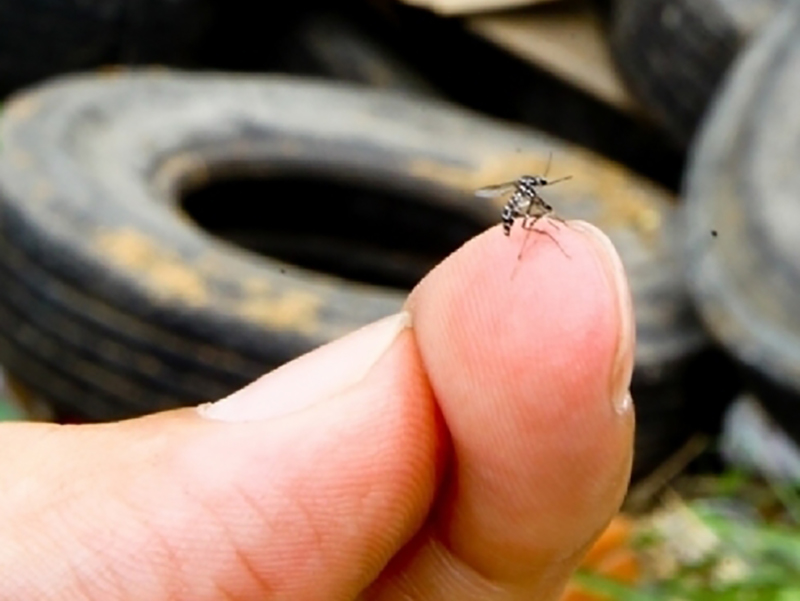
(292, 310)
(161, 271)
(168, 277)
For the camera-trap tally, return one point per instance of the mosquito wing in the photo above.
(498, 190)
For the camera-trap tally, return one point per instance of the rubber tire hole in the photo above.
(355, 232)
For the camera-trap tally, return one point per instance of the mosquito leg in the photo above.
(529, 226)
(529, 220)
(554, 217)
(532, 227)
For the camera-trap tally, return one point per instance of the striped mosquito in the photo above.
(525, 202)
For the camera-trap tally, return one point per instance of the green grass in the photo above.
(745, 540)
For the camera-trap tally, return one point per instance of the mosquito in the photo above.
(525, 202)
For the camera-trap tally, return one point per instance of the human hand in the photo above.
(473, 455)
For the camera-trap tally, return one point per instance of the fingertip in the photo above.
(523, 358)
(552, 320)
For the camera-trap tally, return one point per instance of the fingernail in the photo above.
(625, 403)
(622, 370)
(314, 377)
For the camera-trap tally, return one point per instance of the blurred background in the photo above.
(193, 192)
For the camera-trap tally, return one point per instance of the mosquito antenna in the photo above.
(549, 160)
(560, 179)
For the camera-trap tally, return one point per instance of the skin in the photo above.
(476, 457)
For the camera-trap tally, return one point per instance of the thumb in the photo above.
(302, 485)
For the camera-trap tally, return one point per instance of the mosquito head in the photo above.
(532, 181)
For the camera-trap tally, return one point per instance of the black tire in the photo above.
(330, 44)
(673, 53)
(113, 304)
(407, 45)
(40, 38)
(742, 185)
